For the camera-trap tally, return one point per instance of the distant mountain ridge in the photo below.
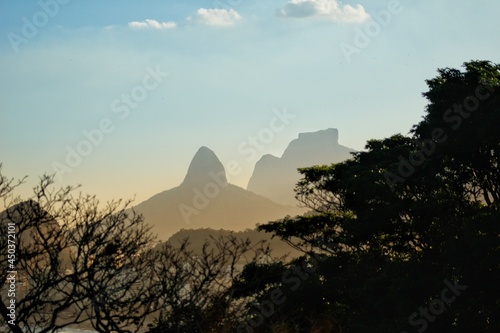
(32, 224)
(275, 177)
(197, 237)
(206, 200)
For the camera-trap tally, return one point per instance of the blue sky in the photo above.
(214, 73)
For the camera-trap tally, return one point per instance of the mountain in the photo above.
(33, 223)
(206, 200)
(198, 237)
(276, 177)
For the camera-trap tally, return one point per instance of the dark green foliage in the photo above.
(403, 237)
(406, 219)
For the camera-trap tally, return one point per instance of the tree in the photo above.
(196, 288)
(78, 262)
(464, 105)
(408, 213)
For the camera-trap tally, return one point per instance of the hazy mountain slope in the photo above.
(206, 200)
(33, 223)
(276, 177)
(197, 238)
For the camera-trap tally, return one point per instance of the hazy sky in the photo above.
(118, 95)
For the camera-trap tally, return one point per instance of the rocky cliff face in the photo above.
(206, 200)
(204, 167)
(276, 177)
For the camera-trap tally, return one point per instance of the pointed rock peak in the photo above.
(205, 167)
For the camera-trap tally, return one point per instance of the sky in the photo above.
(118, 95)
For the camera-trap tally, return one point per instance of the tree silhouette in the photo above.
(78, 261)
(85, 263)
(406, 215)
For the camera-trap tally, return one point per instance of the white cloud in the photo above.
(332, 9)
(151, 24)
(220, 17)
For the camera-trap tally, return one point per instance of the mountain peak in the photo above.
(329, 134)
(311, 144)
(205, 167)
(275, 177)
